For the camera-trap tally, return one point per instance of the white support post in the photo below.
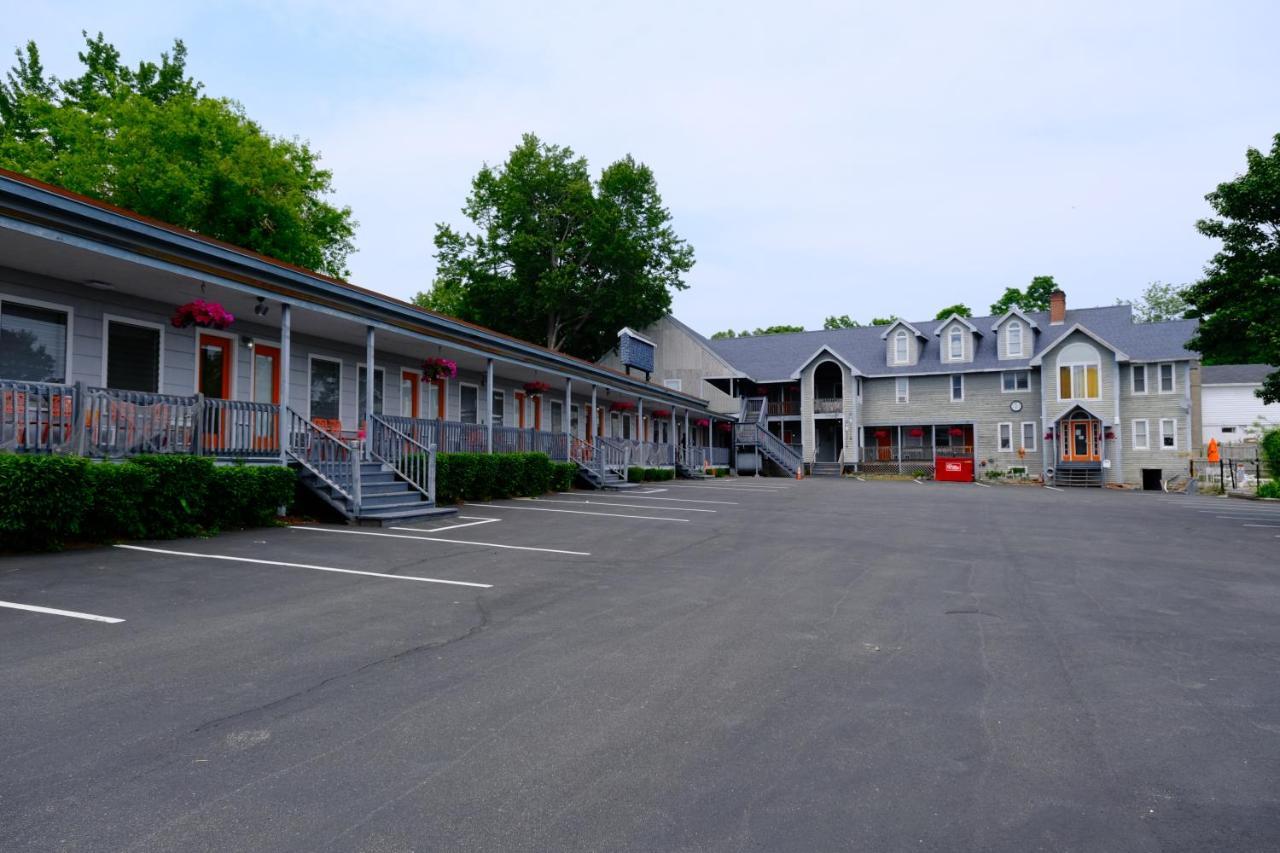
(488, 407)
(671, 439)
(899, 448)
(640, 419)
(367, 414)
(564, 418)
(593, 428)
(286, 357)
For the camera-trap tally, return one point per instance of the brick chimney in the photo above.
(1057, 308)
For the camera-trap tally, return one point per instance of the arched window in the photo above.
(1015, 339)
(900, 347)
(957, 344)
(1078, 372)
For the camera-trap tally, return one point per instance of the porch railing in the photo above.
(907, 453)
(526, 440)
(126, 423)
(414, 461)
(828, 405)
(238, 428)
(782, 408)
(325, 455)
(37, 416)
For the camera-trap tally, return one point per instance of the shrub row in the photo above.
(486, 476)
(649, 475)
(46, 501)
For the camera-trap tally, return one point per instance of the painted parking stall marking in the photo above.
(231, 559)
(499, 545)
(597, 502)
(634, 496)
(499, 508)
(53, 611)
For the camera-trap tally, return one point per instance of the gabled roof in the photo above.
(947, 322)
(627, 330)
(1076, 404)
(829, 351)
(1076, 327)
(896, 323)
(1234, 374)
(1015, 311)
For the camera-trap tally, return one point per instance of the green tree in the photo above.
(145, 138)
(1238, 300)
(1034, 298)
(1159, 303)
(558, 258)
(885, 321)
(727, 333)
(841, 322)
(778, 330)
(959, 308)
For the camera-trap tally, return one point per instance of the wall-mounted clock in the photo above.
(1015, 406)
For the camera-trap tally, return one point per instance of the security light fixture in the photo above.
(261, 308)
(247, 341)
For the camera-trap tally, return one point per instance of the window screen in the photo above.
(326, 377)
(470, 395)
(33, 343)
(133, 357)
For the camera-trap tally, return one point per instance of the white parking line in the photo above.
(612, 503)
(301, 566)
(1273, 526)
(917, 482)
(577, 512)
(761, 489)
(446, 541)
(448, 527)
(634, 496)
(861, 479)
(1053, 488)
(52, 611)
(984, 485)
(1240, 517)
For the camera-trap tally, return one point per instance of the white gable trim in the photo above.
(1039, 359)
(829, 351)
(953, 318)
(1012, 312)
(896, 323)
(1079, 405)
(627, 330)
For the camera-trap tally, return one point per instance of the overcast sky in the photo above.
(846, 158)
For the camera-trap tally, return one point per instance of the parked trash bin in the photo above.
(954, 470)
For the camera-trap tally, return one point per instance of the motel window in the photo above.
(900, 347)
(1015, 339)
(957, 344)
(1139, 374)
(498, 412)
(378, 377)
(557, 416)
(957, 388)
(1168, 433)
(1006, 437)
(1166, 379)
(673, 384)
(326, 384)
(903, 388)
(33, 343)
(1141, 435)
(1015, 380)
(469, 404)
(133, 356)
(1078, 382)
(1028, 435)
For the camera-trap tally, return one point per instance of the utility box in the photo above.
(954, 470)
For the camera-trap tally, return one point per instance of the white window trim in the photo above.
(52, 306)
(673, 384)
(951, 387)
(1015, 389)
(480, 413)
(1023, 437)
(906, 387)
(1000, 428)
(1074, 364)
(418, 380)
(956, 334)
(312, 358)
(1013, 324)
(235, 356)
(1146, 433)
(1173, 378)
(376, 368)
(1163, 434)
(1146, 379)
(905, 358)
(107, 320)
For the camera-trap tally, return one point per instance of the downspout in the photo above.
(565, 419)
(367, 414)
(488, 407)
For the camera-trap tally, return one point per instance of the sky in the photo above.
(822, 158)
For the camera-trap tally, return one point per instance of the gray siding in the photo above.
(944, 344)
(680, 355)
(1153, 407)
(1002, 339)
(913, 348)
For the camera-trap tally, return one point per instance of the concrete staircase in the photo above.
(826, 469)
(384, 498)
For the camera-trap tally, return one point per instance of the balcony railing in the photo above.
(784, 408)
(828, 405)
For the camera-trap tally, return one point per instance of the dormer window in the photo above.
(1015, 339)
(956, 339)
(900, 351)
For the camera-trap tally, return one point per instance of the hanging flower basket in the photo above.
(206, 315)
(1048, 434)
(536, 387)
(1110, 435)
(435, 368)
(956, 431)
(724, 426)
(882, 433)
(661, 413)
(915, 432)
(762, 390)
(702, 422)
(622, 406)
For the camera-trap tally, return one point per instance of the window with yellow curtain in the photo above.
(1078, 382)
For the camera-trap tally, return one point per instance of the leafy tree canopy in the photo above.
(959, 308)
(1034, 298)
(767, 330)
(1238, 300)
(885, 321)
(841, 322)
(145, 138)
(1159, 303)
(559, 258)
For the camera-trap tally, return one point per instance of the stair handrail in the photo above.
(772, 446)
(413, 461)
(328, 457)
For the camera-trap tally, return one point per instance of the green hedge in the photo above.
(486, 476)
(650, 475)
(47, 501)
(1269, 448)
(562, 476)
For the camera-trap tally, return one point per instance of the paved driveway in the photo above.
(737, 665)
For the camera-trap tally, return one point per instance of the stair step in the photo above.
(402, 499)
(384, 517)
(398, 487)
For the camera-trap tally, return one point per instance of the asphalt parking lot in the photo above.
(728, 665)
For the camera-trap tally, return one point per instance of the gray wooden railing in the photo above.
(325, 455)
(127, 423)
(38, 417)
(414, 461)
(769, 444)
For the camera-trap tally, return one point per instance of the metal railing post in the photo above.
(355, 481)
(197, 429)
(431, 473)
(80, 417)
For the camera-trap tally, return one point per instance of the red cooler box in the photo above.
(955, 470)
